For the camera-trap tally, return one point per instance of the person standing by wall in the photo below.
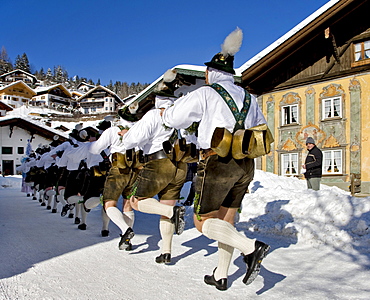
(313, 165)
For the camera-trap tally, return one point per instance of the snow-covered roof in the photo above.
(285, 37)
(86, 84)
(17, 83)
(18, 70)
(96, 88)
(194, 70)
(31, 124)
(44, 89)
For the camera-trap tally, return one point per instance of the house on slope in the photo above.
(16, 94)
(315, 81)
(4, 108)
(54, 96)
(84, 87)
(75, 95)
(15, 132)
(99, 100)
(17, 75)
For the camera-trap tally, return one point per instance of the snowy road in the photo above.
(45, 256)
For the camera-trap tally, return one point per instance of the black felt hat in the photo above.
(220, 62)
(224, 60)
(168, 85)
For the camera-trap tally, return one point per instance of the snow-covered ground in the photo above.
(320, 249)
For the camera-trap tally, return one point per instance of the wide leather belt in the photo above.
(156, 155)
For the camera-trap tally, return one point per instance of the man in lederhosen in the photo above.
(221, 181)
(160, 175)
(119, 181)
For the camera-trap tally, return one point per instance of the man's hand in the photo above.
(122, 132)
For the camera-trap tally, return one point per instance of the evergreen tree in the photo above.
(5, 64)
(60, 75)
(26, 63)
(49, 78)
(18, 62)
(22, 63)
(110, 85)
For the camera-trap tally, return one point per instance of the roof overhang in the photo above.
(265, 62)
(32, 128)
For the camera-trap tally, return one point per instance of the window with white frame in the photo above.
(332, 107)
(332, 162)
(289, 164)
(362, 50)
(289, 114)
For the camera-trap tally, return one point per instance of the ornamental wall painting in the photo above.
(310, 130)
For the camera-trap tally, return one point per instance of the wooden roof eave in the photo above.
(287, 48)
(30, 127)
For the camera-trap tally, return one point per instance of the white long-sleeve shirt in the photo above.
(207, 107)
(148, 133)
(45, 161)
(71, 158)
(111, 139)
(94, 159)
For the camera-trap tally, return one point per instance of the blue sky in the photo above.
(137, 41)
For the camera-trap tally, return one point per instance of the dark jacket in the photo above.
(313, 163)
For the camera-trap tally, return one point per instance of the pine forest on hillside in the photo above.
(60, 75)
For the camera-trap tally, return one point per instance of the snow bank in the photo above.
(13, 181)
(282, 206)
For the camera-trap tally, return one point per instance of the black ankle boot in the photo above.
(105, 233)
(124, 243)
(163, 258)
(254, 261)
(220, 284)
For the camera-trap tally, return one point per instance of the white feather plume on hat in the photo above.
(133, 107)
(169, 75)
(83, 134)
(232, 43)
(79, 126)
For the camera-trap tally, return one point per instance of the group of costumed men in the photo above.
(150, 158)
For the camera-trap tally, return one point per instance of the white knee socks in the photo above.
(105, 219)
(55, 203)
(225, 253)
(167, 228)
(129, 217)
(224, 232)
(152, 206)
(83, 215)
(117, 218)
(61, 197)
(92, 202)
(74, 199)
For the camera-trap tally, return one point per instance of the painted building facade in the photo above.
(315, 81)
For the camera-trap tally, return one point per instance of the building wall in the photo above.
(350, 134)
(18, 138)
(13, 100)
